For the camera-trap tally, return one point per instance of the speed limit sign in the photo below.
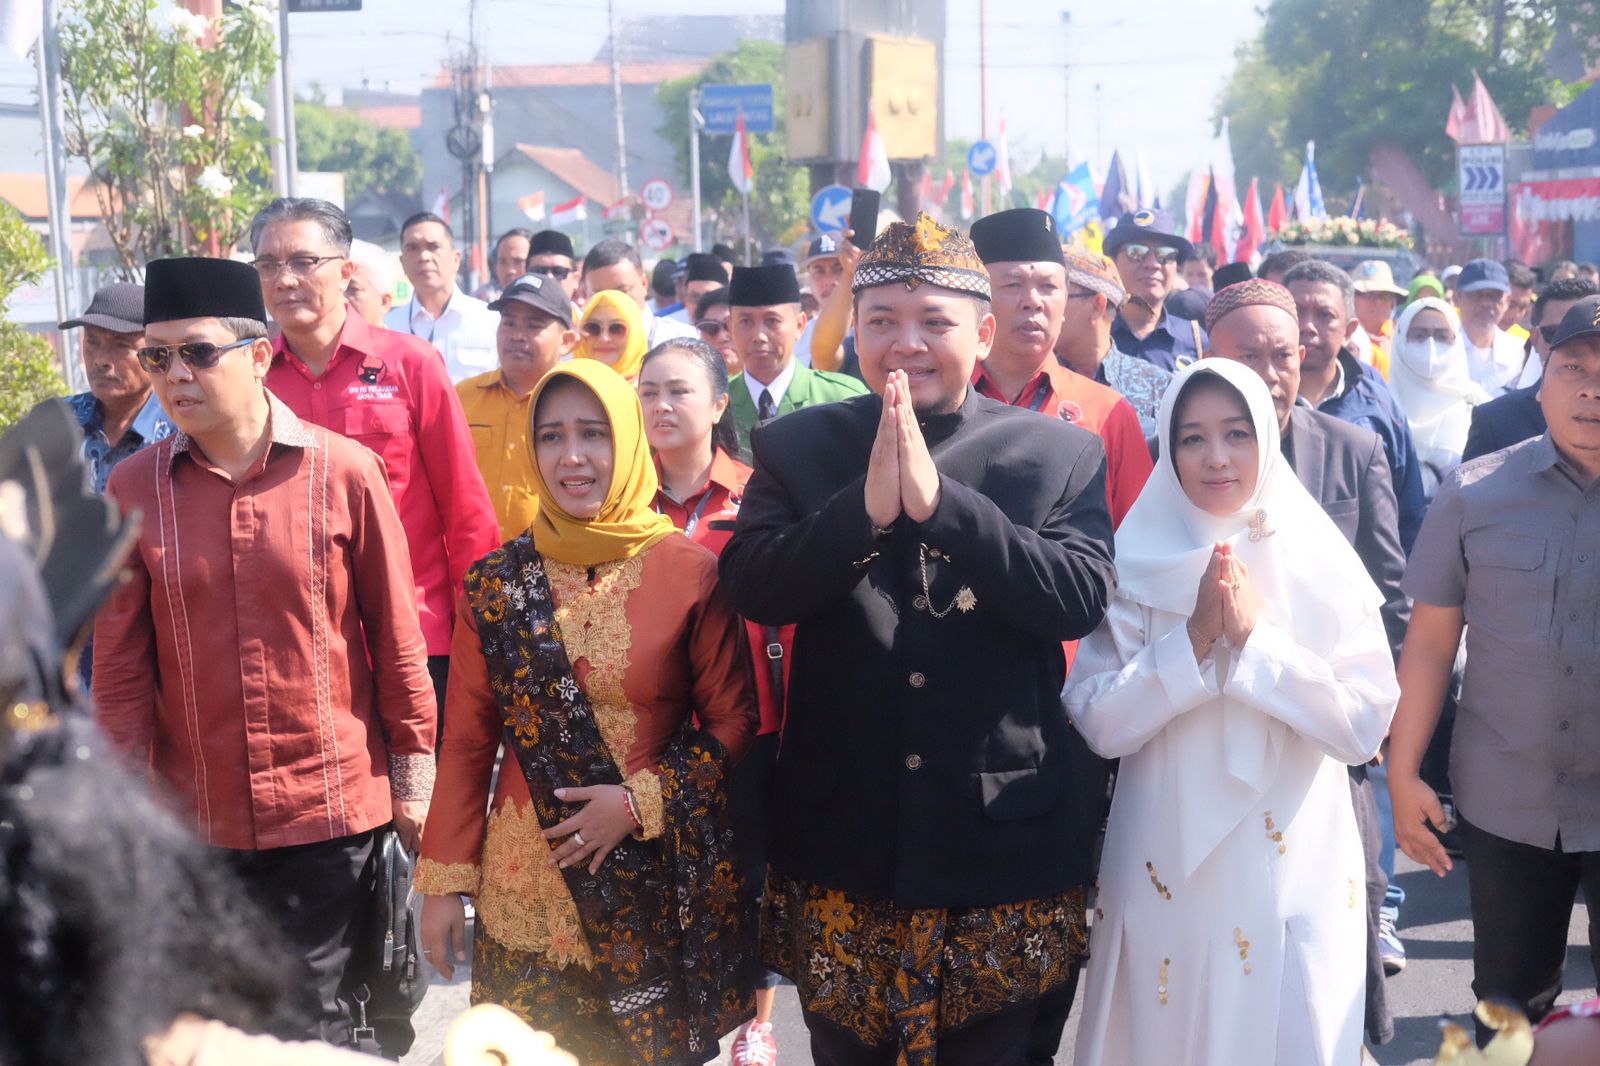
(656, 234)
(656, 194)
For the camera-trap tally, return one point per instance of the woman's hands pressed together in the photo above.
(1226, 604)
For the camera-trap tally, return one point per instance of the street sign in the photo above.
(982, 158)
(1481, 183)
(656, 194)
(720, 105)
(830, 209)
(656, 234)
(298, 6)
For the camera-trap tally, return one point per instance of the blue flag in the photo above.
(1115, 198)
(1076, 203)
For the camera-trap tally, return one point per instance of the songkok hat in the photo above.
(825, 246)
(1581, 320)
(1093, 271)
(922, 252)
(703, 266)
(664, 275)
(778, 257)
(118, 307)
(1229, 274)
(763, 286)
(1020, 235)
(551, 242)
(723, 252)
(198, 287)
(1256, 291)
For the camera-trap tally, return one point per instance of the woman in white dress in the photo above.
(1242, 664)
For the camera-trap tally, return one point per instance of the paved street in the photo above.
(1438, 941)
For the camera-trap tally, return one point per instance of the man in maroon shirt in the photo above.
(386, 390)
(262, 659)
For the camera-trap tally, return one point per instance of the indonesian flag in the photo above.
(1002, 163)
(1042, 201)
(946, 186)
(1253, 234)
(1278, 213)
(532, 205)
(740, 172)
(441, 205)
(873, 171)
(925, 188)
(568, 213)
(1458, 115)
(966, 193)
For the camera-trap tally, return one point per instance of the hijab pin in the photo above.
(1258, 525)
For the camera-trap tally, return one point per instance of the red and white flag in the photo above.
(740, 172)
(1458, 115)
(1278, 213)
(568, 213)
(873, 171)
(441, 205)
(966, 193)
(945, 186)
(1002, 163)
(1483, 123)
(1254, 231)
(532, 205)
(925, 189)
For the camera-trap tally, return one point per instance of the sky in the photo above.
(1060, 72)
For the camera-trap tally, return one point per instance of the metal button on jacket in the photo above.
(913, 762)
(917, 679)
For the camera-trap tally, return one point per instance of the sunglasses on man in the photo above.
(709, 328)
(613, 329)
(198, 355)
(1138, 253)
(559, 273)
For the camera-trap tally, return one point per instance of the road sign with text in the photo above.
(720, 105)
(1481, 185)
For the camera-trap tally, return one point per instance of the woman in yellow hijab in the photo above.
(592, 645)
(612, 331)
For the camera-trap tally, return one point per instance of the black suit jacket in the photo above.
(1504, 421)
(928, 760)
(1346, 470)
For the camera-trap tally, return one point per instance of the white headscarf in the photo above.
(1311, 583)
(1434, 388)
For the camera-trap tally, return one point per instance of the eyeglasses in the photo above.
(298, 265)
(614, 329)
(1164, 254)
(712, 329)
(559, 273)
(198, 355)
(1443, 336)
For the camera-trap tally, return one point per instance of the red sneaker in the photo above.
(754, 1046)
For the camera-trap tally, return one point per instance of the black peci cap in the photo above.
(551, 242)
(1020, 235)
(200, 287)
(763, 286)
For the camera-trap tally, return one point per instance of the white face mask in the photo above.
(1428, 358)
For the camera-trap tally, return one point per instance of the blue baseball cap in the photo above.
(1147, 227)
(1480, 274)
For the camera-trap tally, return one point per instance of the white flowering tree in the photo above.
(161, 104)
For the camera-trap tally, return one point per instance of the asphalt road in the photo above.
(1434, 925)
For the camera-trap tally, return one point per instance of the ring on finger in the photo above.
(579, 838)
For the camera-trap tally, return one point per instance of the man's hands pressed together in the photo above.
(901, 476)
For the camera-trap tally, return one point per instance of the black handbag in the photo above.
(385, 975)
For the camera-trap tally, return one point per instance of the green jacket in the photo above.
(808, 389)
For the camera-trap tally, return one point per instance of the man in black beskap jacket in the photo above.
(933, 832)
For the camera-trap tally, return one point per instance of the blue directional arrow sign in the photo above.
(982, 158)
(830, 209)
(1481, 177)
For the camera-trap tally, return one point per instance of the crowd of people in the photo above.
(935, 621)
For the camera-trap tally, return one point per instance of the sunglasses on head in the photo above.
(559, 273)
(711, 329)
(1164, 254)
(198, 355)
(615, 329)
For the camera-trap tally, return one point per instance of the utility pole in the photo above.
(291, 154)
(616, 101)
(694, 161)
(47, 54)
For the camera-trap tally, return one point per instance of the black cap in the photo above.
(118, 307)
(1020, 235)
(1480, 274)
(778, 257)
(200, 287)
(703, 266)
(824, 246)
(1581, 320)
(664, 275)
(724, 252)
(763, 286)
(1228, 274)
(1189, 303)
(1146, 226)
(551, 242)
(541, 293)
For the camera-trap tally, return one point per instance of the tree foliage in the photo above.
(27, 366)
(780, 201)
(1353, 74)
(369, 156)
(166, 118)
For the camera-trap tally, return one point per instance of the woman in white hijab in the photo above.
(1242, 664)
(1429, 378)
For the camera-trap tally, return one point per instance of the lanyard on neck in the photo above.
(411, 320)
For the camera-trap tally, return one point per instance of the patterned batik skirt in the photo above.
(889, 974)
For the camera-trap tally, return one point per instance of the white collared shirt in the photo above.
(1497, 367)
(779, 386)
(658, 329)
(464, 332)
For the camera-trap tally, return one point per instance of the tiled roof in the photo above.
(576, 169)
(26, 193)
(393, 116)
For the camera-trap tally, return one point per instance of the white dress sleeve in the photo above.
(1125, 688)
(1342, 703)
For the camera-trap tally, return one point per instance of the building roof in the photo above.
(548, 75)
(27, 193)
(576, 169)
(392, 116)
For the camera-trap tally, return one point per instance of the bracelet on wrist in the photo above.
(632, 806)
(1195, 638)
